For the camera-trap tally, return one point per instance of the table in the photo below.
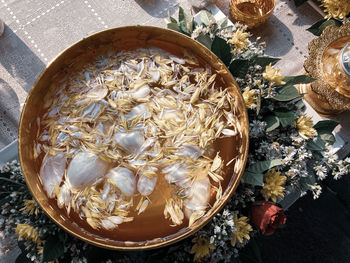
(37, 31)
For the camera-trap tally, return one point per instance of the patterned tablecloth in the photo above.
(37, 31)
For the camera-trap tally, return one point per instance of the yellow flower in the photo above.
(27, 232)
(305, 127)
(201, 248)
(242, 230)
(30, 206)
(273, 75)
(249, 98)
(239, 40)
(272, 187)
(336, 8)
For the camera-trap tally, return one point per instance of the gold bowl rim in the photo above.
(188, 231)
(254, 17)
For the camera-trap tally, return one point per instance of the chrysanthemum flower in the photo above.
(201, 248)
(273, 75)
(336, 8)
(27, 232)
(30, 207)
(242, 230)
(305, 127)
(239, 40)
(249, 97)
(273, 185)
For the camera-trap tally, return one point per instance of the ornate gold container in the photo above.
(149, 233)
(252, 13)
(329, 95)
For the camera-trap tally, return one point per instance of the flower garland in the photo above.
(288, 153)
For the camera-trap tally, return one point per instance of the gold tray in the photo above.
(149, 233)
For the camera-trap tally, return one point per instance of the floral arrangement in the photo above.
(287, 153)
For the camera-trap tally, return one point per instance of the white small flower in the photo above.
(331, 157)
(197, 32)
(217, 229)
(321, 171)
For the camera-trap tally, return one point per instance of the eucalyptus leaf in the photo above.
(205, 40)
(182, 22)
(262, 166)
(320, 25)
(174, 27)
(53, 249)
(301, 79)
(286, 118)
(253, 178)
(286, 93)
(206, 17)
(223, 22)
(326, 126)
(272, 122)
(317, 145)
(239, 68)
(172, 20)
(221, 49)
(328, 138)
(264, 61)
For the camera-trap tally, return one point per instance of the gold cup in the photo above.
(252, 13)
(150, 232)
(328, 63)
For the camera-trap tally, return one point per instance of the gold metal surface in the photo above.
(331, 88)
(252, 13)
(149, 233)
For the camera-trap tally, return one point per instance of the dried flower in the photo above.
(27, 232)
(273, 75)
(242, 230)
(336, 8)
(239, 40)
(201, 248)
(30, 207)
(272, 187)
(249, 98)
(305, 127)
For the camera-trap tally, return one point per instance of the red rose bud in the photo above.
(267, 217)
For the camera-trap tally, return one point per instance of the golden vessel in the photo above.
(252, 13)
(329, 95)
(148, 233)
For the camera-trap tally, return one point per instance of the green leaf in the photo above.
(286, 118)
(222, 50)
(272, 122)
(299, 2)
(326, 125)
(173, 20)
(53, 249)
(301, 79)
(174, 27)
(223, 22)
(317, 145)
(205, 40)
(22, 258)
(324, 129)
(320, 25)
(206, 17)
(253, 178)
(328, 138)
(262, 166)
(264, 61)
(183, 22)
(286, 93)
(239, 68)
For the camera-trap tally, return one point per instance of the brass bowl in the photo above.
(149, 233)
(252, 13)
